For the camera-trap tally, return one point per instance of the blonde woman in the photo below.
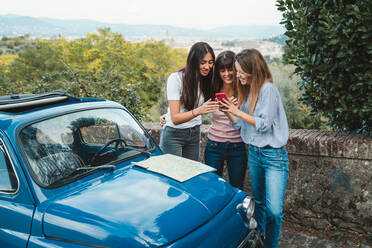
(263, 125)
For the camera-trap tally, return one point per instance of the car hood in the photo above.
(135, 208)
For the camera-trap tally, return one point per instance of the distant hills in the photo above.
(15, 25)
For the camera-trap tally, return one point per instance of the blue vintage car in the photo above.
(80, 172)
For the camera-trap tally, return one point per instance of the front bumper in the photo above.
(251, 240)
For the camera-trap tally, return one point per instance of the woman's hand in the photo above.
(207, 107)
(162, 120)
(230, 108)
(178, 117)
(230, 105)
(234, 100)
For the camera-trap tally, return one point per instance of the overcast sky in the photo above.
(185, 13)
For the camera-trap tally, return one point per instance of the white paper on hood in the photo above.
(178, 168)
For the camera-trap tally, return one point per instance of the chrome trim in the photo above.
(3, 147)
(244, 210)
(251, 240)
(253, 223)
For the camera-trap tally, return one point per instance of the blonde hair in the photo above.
(252, 62)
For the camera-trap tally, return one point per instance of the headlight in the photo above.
(252, 224)
(247, 208)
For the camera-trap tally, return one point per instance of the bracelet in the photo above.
(192, 112)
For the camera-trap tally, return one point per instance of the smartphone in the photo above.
(220, 96)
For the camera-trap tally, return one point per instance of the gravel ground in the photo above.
(291, 239)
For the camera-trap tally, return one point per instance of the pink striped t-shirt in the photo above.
(221, 130)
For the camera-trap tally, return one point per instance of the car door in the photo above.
(16, 205)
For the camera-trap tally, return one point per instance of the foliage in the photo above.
(298, 114)
(228, 43)
(156, 63)
(330, 43)
(7, 59)
(162, 104)
(270, 59)
(101, 65)
(280, 39)
(14, 45)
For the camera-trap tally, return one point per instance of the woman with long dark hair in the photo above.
(224, 143)
(263, 125)
(190, 94)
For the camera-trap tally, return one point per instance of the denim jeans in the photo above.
(235, 155)
(183, 142)
(268, 169)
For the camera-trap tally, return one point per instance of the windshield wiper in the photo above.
(100, 167)
(76, 173)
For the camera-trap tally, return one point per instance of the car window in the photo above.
(8, 180)
(58, 147)
(102, 133)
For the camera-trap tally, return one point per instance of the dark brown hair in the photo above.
(224, 60)
(191, 76)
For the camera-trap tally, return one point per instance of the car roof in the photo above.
(21, 102)
(16, 110)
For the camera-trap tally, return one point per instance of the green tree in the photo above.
(298, 114)
(330, 43)
(13, 45)
(102, 64)
(156, 61)
(35, 61)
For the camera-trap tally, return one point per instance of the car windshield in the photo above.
(56, 149)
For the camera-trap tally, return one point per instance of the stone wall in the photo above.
(330, 179)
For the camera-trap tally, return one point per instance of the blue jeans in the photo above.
(235, 155)
(268, 169)
(183, 142)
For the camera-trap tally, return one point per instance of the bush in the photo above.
(298, 114)
(102, 64)
(330, 43)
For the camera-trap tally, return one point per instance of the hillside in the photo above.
(15, 25)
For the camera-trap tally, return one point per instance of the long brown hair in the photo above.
(224, 60)
(252, 62)
(192, 77)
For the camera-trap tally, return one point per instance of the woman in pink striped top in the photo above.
(224, 143)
